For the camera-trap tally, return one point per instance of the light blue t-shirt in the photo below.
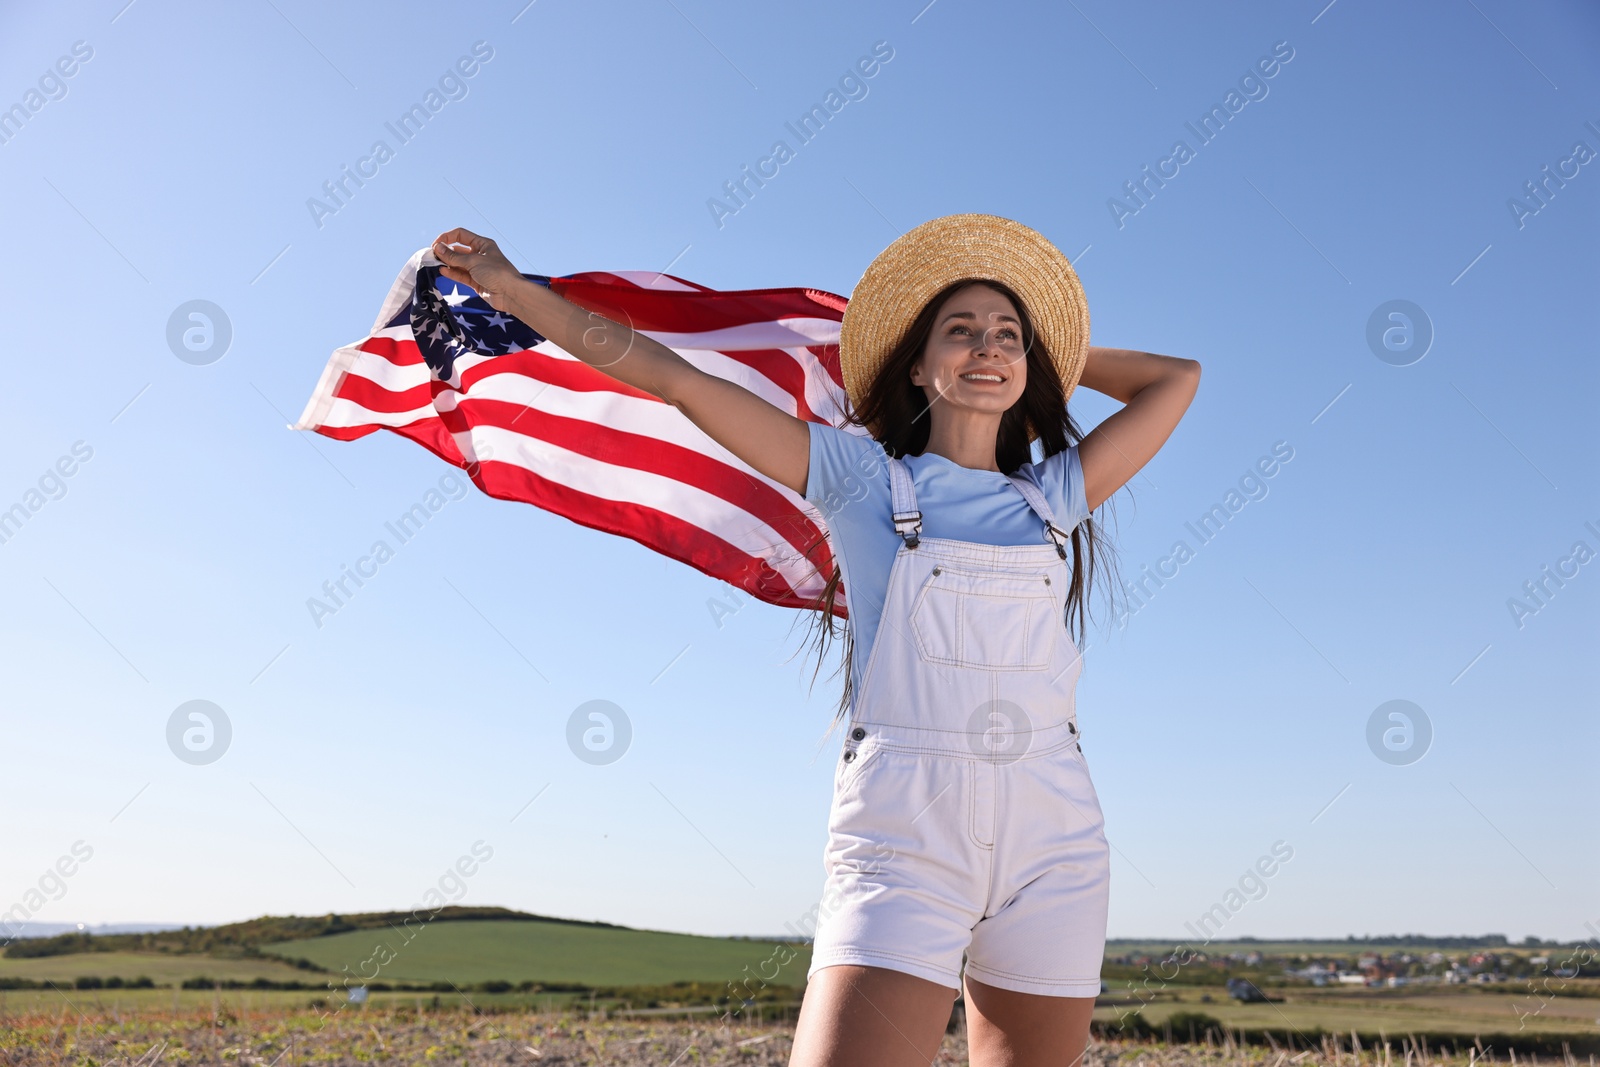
(849, 483)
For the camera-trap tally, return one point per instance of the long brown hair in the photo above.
(896, 412)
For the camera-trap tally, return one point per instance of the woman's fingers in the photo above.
(446, 254)
(477, 245)
(460, 236)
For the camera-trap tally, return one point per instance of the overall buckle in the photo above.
(1050, 531)
(911, 535)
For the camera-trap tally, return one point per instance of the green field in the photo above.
(163, 968)
(471, 951)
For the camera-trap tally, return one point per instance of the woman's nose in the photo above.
(990, 345)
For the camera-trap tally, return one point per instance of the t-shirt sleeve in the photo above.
(840, 462)
(1077, 496)
(1062, 474)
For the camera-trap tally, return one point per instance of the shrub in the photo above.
(1128, 1024)
(60, 945)
(1192, 1025)
(87, 981)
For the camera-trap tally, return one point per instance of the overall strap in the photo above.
(907, 519)
(1035, 498)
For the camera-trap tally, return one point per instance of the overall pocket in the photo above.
(852, 764)
(988, 620)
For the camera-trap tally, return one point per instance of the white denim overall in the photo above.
(964, 819)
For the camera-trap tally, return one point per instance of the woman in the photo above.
(965, 840)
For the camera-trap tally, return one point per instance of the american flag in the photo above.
(527, 421)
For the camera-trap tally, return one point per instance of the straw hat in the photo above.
(907, 274)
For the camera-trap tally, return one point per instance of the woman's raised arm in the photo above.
(1156, 391)
(770, 440)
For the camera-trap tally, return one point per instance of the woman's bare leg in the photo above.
(870, 1017)
(1007, 1029)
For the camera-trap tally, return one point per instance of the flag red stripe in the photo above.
(402, 352)
(679, 312)
(374, 397)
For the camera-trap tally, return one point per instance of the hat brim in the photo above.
(898, 284)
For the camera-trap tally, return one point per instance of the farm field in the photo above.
(1136, 946)
(60, 1039)
(469, 952)
(138, 1003)
(1466, 1012)
(1460, 1016)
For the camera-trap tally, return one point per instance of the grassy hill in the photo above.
(466, 951)
(465, 946)
(231, 938)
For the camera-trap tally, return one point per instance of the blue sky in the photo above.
(1377, 163)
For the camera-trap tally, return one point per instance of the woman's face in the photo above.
(976, 339)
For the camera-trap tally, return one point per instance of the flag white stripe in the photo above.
(781, 333)
(649, 279)
(344, 412)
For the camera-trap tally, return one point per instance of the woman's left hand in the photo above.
(483, 266)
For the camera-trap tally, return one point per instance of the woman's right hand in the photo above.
(484, 267)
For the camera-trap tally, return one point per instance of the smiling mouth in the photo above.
(983, 376)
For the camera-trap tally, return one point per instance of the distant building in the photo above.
(1244, 990)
